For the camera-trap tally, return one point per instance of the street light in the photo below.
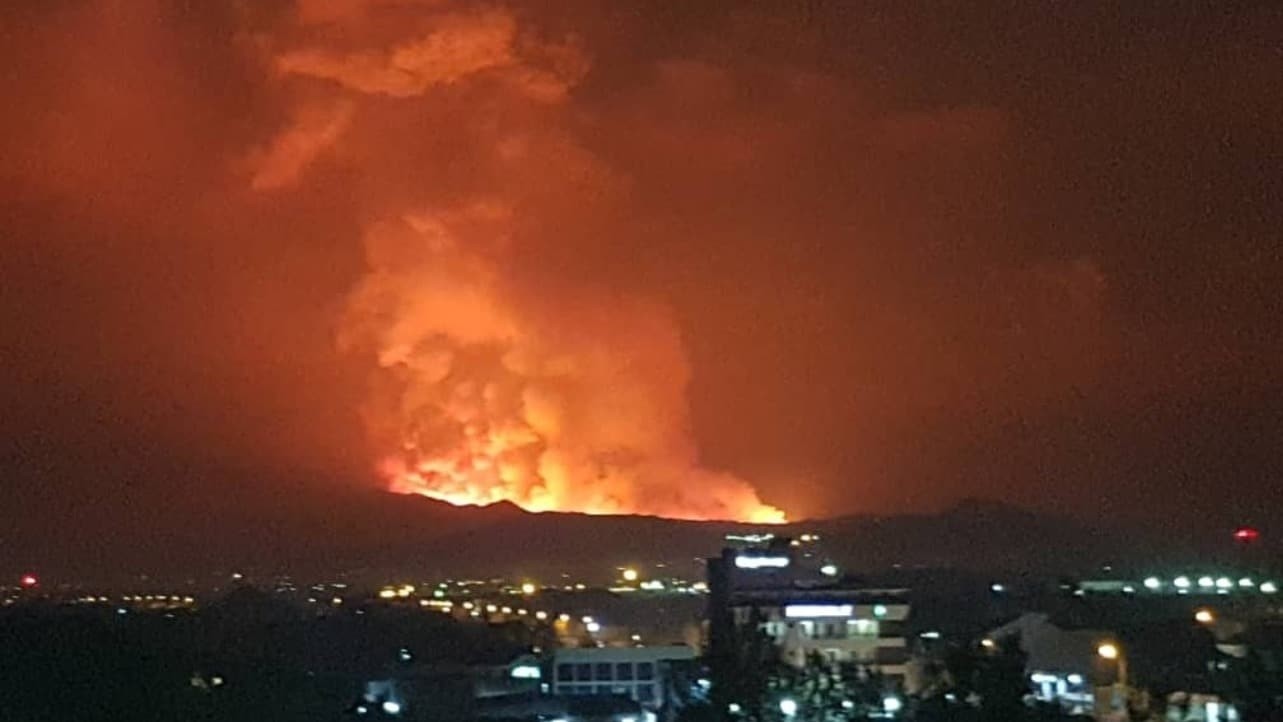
(1113, 652)
(1204, 616)
(788, 706)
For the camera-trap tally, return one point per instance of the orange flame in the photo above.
(569, 399)
(497, 380)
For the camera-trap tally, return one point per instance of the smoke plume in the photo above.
(501, 375)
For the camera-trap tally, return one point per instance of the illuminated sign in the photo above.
(526, 671)
(747, 562)
(750, 538)
(811, 611)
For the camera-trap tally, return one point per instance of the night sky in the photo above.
(862, 256)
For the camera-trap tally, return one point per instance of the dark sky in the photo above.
(914, 251)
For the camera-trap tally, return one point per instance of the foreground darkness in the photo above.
(861, 257)
(277, 661)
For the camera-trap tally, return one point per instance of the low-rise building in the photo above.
(643, 674)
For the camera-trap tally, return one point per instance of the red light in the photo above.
(28, 581)
(1246, 534)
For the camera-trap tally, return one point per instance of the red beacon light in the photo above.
(1246, 535)
(28, 581)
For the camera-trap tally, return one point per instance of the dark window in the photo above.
(645, 671)
(646, 693)
(583, 672)
(604, 672)
(565, 673)
(624, 671)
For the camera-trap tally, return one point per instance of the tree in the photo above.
(1001, 683)
(824, 691)
(977, 684)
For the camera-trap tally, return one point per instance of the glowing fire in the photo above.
(501, 375)
(566, 401)
(436, 480)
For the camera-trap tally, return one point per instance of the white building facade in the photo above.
(640, 673)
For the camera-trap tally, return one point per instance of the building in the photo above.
(1105, 670)
(1064, 665)
(643, 674)
(806, 608)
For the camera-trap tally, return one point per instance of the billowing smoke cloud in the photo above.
(494, 383)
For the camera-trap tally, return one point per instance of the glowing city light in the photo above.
(1204, 616)
(28, 581)
(1108, 650)
(1153, 583)
(788, 707)
(756, 562)
(1246, 534)
(630, 575)
(829, 570)
(812, 611)
(1181, 582)
(526, 671)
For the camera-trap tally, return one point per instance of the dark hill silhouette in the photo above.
(303, 529)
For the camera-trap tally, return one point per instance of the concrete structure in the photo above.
(804, 606)
(639, 673)
(1064, 665)
(1094, 671)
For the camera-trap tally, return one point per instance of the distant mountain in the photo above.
(973, 535)
(311, 531)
